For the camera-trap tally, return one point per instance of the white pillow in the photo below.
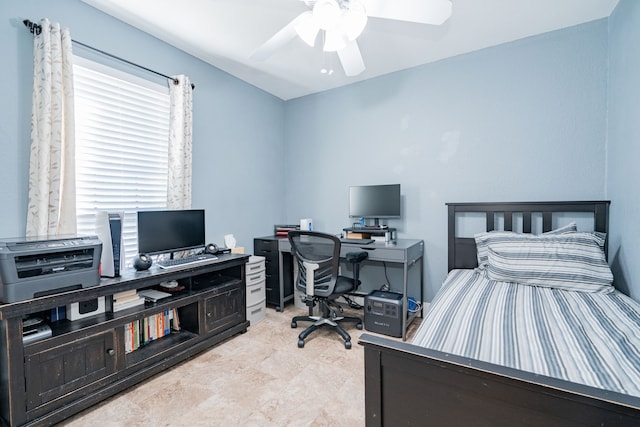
(483, 240)
(573, 261)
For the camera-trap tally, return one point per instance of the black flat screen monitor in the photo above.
(166, 231)
(374, 201)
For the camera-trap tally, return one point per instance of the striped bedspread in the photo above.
(586, 338)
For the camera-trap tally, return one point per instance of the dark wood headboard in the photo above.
(462, 250)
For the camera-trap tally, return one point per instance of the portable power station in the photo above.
(383, 313)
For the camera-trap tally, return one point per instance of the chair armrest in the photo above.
(310, 267)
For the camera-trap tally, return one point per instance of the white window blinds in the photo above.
(122, 134)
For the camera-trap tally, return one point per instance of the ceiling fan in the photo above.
(340, 22)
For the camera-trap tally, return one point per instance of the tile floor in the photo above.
(260, 378)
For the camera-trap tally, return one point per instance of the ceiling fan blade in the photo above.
(351, 59)
(307, 28)
(279, 39)
(434, 12)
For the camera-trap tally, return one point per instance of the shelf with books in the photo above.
(163, 326)
(141, 332)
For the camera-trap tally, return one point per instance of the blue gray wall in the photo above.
(237, 131)
(517, 122)
(623, 145)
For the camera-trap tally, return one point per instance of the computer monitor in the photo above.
(374, 201)
(164, 231)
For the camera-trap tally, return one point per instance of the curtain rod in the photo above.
(36, 29)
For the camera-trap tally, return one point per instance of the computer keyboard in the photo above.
(178, 262)
(356, 241)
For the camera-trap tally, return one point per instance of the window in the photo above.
(122, 136)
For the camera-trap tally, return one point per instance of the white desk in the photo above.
(408, 252)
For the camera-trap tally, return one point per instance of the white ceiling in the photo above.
(225, 33)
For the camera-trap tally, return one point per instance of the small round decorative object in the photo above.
(142, 262)
(211, 248)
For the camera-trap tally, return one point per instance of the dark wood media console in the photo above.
(84, 361)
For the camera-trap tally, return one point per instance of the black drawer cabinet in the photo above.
(268, 248)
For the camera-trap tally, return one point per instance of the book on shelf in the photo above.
(159, 325)
(159, 328)
(123, 305)
(175, 320)
(151, 328)
(125, 295)
(135, 337)
(167, 322)
(129, 338)
(352, 235)
(144, 334)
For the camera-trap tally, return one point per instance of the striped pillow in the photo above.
(573, 261)
(483, 240)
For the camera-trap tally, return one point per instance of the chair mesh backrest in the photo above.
(322, 249)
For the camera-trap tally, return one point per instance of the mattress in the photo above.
(586, 338)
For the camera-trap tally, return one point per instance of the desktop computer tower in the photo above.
(109, 231)
(383, 313)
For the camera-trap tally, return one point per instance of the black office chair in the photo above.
(318, 259)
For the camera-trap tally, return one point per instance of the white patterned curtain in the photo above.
(180, 140)
(52, 202)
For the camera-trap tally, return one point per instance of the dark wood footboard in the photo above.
(413, 386)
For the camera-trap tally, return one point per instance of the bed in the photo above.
(497, 351)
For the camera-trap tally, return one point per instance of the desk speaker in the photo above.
(211, 248)
(142, 262)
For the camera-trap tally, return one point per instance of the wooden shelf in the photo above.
(158, 346)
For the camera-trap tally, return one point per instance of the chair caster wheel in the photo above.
(347, 345)
(294, 325)
(359, 326)
(300, 343)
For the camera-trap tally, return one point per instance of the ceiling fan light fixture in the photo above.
(307, 28)
(334, 40)
(327, 14)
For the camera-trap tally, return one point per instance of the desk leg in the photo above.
(420, 260)
(280, 306)
(405, 298)
(405, 301)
